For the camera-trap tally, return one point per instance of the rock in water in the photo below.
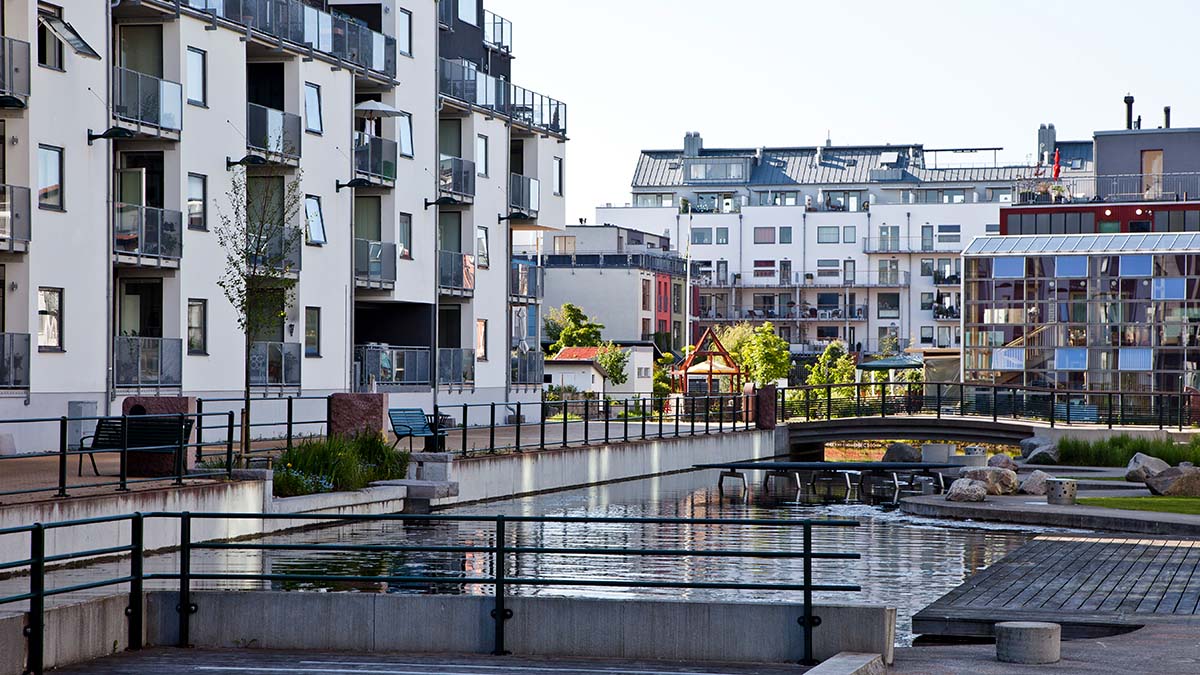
(1143, 466)
(997, 481)
(1180, 481)
(901, 452)
(966, 490)
(1002, 461)
(1035, 483)
(1047, 454)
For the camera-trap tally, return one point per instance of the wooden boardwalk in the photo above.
(1093, 586)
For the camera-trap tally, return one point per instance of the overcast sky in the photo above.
(640, 73)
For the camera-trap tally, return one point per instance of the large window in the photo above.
(888, 305)
(558, 176)
(404, 31)
(481, 339)
(1135, 358)
(404, 126)
(52, 32)
(785, 235)
(197, 202)
(848, 234)
(197, 76)
(404, 235)
(312, 108)
(481, 155)
(927, 301)
(312, 332)
(926, 267)
(926, 335)
(1009, 268)
(722, 235)
(1008, 358)
(1172, 288)
(197, 327)
(828, 234)
(50, 319)
(1070, 266)
(764, 235)
(482, 256)
(468, 11)
(646, 294)
(1136, 265)
(1070, 358)
(315, 219)
(702, 235)
(51, 193)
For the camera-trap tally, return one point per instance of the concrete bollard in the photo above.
(1060, 491)
(1030, 642)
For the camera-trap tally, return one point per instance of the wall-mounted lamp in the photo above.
(441, 201)
(291, 328)
(248, 160)
(109, 134)
(516, 215)
(352, 183)
(13, 286)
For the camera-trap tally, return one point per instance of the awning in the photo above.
(892, 363)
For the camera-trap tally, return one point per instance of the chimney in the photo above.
(1167, 117)
(1047, 142)
(692, 144)
(1138, 123)
(1128, 111)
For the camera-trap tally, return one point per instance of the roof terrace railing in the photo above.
(463, 80)
(497, 31)
(1134, 187)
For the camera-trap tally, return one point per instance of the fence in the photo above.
(501, 556)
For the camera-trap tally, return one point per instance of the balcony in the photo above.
(941, 278)
(944, 313)
(275, 364)
(832, 278)
(1136, 187)
(14, 360)
(912, 244)
(147, 362)
(461, 80)
(336, 35)
(456, 178)
(446, 14)
(456, 273)
(528, 368)
(456, 367)
(720, 313)
(497, 31)
(146, 236)
(273, 133)
(281, 251)
(146, 104)
(652, 262)
(524, 195)
(14, 73)
(375, 159)
(374, 264)
(525, 281)
(15, 230)
(386, 368)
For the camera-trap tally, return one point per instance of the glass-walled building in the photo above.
(1095, 312)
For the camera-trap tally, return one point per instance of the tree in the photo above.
(734, 337)
(662, 375)
(834, 366)
(765, 357)
(552, 324)
(613, 360)
(261, 247)
(577, 329)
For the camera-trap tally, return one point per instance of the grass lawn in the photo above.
(1186, 505)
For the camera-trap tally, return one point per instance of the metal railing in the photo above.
(525, 280)
(374, 261)
(374, 156)
(14, 360)
(912, 244)
(505, 555)
(147, 362)
(385, 368)
(528, 368)
(145, 231)
(14, 67)
(833, 278)
(337, 35)
(456, 271)
(941, 278)
(1134, 187)
(497, 31)
(524, 194)
(944, 313)
(275, 364)
(726, 313)
(654, 262)
(15, 217)
(462, 80)
(283, 250)
(273, 131)
(456, 366)
(145, 99)
(456, 176)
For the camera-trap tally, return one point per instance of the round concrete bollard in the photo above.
(1029, 642)
(1060, 491)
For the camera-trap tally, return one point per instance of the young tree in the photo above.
(834, 366)
(261, 243)
(614, 361)
(577, 330)
(662, 375)
(734, 337)
(552, 324)
(765, 356)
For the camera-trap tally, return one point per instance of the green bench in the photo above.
(413, 423)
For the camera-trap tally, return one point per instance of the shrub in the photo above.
(338, 463)
(383, 461)
(291, 483)
(1117, 450)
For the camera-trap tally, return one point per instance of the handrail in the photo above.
(273, 131)
(375, 156)
(375, 261)
(456, 271)
(15, 225)
(275, 363)
(463, 80)
(146, 99)
(387, 366)
(147, 361)
(147, 231)
(456, 176)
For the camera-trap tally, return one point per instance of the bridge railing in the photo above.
(499, 553)
(990, 401)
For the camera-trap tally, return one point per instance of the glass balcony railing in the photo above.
(1134, 187)
(463, 81)
(942, 278)
(337, 35)
(456, 366)
(14, 360)
(497, 31)
(456, 271)
(655, 262)
(272, 131)
(524, 193)
(456, 176)
(14, 217)
(14, 68)
(525, 280)
(275, 364)
(375, 261)
(384, 367)
(375, 157)
(145, 231)
(281, 251)
(933, 244)
(145, 99)
(446, 13)
(147, 361)
(528, 368)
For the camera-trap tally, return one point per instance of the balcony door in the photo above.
(450, 138)
(139, 308)
(889, 237)
(130, 198)
(141, 49)
(1152, 169)
(848, 272)
(785, 271)
(722, 272)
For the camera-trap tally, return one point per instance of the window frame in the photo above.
(308, 229)
(308, 325)
(763, 230)
(404, 235)
(483, 258)
(319, 130)
(62, 178)
(203, 327)
(484, 148)
(474, 12)
(481, 339)
(721, 236)
(404, 124)
(849, 234)
(785, 234)
(825, 230)
(203, 202)
(60, 346)
(407, 34)
(59, 52)
(559, 177)
(706, 233)
(202, 102)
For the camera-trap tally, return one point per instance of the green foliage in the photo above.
(614, 361)
(835, 365)
(556, 392)
(662, 375)
(735, 338)
(552, 323)
(765, 356)
(558, 417)
(1118, 450)
(889, 345)
(338, 463)
(577, 330)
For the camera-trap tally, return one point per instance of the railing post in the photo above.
(199, 430)
(660, 417)
(62, 457)
(1068, 415)
(185, 606)
(808, 621)
(124, 472)
(720, 413)
(642, 414)
(586, 418)
(542, 425)
(858, 399)
(289, 422)
(883, 389)
(678, 405)
(135, 610)
(500, 613)
(607, 414)
(328, 415)
(464, 430)
(1158, 398)
(492, 428)
(517, 441)
(565, 416)
(35, 630)
(828, 402)
(180, 449)
(995, 410)
(625, 419)
(938, 399)
(229, 444)
(1052, 398)
(1110, 409)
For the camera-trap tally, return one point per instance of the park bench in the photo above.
(413, 423)
(152, 442)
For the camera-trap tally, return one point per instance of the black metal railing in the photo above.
(456, 176)
(528, 368)
(655, 262)
(456, 271)
(275, 364)
(524, 194)
(525, 280)
(462, 80)
(456, 366)
(898, 244)
(497, 31)
(147, 100)
(1133, 187)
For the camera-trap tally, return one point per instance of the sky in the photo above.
(638, 74)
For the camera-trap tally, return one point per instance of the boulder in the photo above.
(998, 481)
(966, 490)
(1002, 461)
(1181, 464)
(1143, 466)
(901, 452)
(1035, 483)
(1180, 481)
(1047, 454)
(1028, 445)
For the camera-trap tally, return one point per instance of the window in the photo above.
(50, 50)
(848, 234)
(1071, 266)
(558, 176)
(197, 202)
(949, 234)
(482, 257)
(785, 235)
(316, 221)
(312, 108)
(481, 339)
(829, 268)
(404, 32)
(1136, 265)
(991, 228)
(827, 333)
(927, 301)
(50, 178)
(50, 316)
(312, 332)
(646, 294)
(702, 235)
(481, 154)
(764, 268)
(1171, 288)
(1008, 268)
(1135, 358)
(926, 335)
(654, 199)
(1070, 358)
(888, 305)
(828, 234)
(1008, 358)
(404, 127)
(197, 76)
(468, 12)
(677, 298)
(764, 235)
(404, 235)
(1003, 195)
(197, 327)
(722, 235)
(926, 267)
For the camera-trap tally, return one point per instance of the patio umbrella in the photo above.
(374, 110)
(892, 363)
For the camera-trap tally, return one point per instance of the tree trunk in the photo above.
(244, 459)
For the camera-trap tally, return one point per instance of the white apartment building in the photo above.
(829, 242)
(125, 124)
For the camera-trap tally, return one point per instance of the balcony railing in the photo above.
(145, 99)
(463, 81)
(456, 176)
(497, 31)
(275, 364)
(525, 280)
(834, 278)
(375, 261)
(944, 313)
(14, 68)
(1135, 187)
(147, 232)
(272, 131)
(456, 366)
(456, 271)
(654, 262)
(334, 34)
(14, 360)
(15, 228)
(912, 244)
(524, 194)
(446, 14)
(764, 313)
(947, 278)
(528, 368)
(385, 368)
(871, 346)
(147, 361)
(375, 157)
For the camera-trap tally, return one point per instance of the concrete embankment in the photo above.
(1029, 510)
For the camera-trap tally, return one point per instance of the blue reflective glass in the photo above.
(1070, 266)
(1135, 359)
(1168, 289)
(1136, 265)
(1070, 358)
(1008, 358)
(1008, 268)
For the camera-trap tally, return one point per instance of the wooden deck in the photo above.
(1093, 586)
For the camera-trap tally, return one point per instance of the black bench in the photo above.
(412, 422)
(155, 440)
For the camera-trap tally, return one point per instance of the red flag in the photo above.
(1057, 166)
